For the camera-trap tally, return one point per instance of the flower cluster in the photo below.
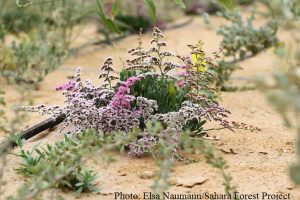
(122, 97)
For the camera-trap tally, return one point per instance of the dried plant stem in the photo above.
(40, 127)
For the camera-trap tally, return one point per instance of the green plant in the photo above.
(85, 181)
(242, 41)
(29, 62)
(60, 165)
(168, 96)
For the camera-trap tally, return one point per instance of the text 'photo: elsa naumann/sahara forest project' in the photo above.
(148, 99)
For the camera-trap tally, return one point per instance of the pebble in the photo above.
(190, 182)
(147, 174)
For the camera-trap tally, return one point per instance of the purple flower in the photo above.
(181, 83)
(130, 81)
(70, 86)
(184, 74)
(122, 98)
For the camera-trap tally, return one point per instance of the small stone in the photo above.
(191, 181)
(173, 181)
(147, 174)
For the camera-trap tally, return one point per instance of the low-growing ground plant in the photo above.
(241, 41)
(59, 165)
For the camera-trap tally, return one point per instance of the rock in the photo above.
(147, 174)
(190, 182)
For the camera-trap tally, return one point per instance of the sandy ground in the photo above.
(262, 158)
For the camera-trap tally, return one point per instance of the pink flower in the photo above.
(123, 90)
(183, 74)
(122, 98)
(130, 81)
(181, 83)
(70, 86)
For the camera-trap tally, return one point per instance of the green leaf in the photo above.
(152, 9)
(116, 7)
(122, 149)
(180, 3)
(108, 23)
(206, 18)
(229, 4)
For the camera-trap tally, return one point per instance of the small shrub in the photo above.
(240, 42)
(29, 62)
